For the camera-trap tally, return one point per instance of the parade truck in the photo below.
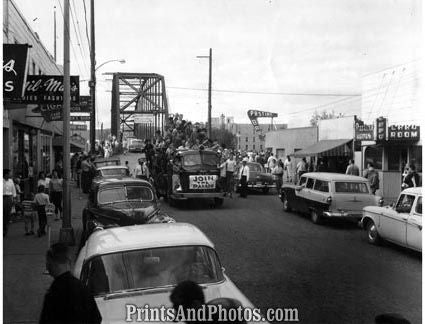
(191, 174)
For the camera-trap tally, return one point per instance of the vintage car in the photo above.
(258, 178)
(101, 162)
(121, 202)
(198, 172)
(140, 265)
(111, 171)
(135, 145)
(400, 223)
(329, 195)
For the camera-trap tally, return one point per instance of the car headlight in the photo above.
(381, 202)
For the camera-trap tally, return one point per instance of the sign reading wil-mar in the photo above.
(202, 181)
(48, 89)
(15, 58)
(404, 132)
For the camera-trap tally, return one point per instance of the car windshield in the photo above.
(124, 193)
(200, 159)
(136, 142)
(255, 167)
(351, 187)
(106, 163)
(114, 172)
(150, 268)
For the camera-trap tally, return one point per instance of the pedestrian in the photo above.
(223, 172)
(128, 168)
(41, 200)
(243, 178)
(55, 189)
(301, 167)
(321, 167)
(9, 194)
(372, 175)
(277, 173)
(230, 173)
(29, 210)
(67, 300)
(186, 296)
(412, 178)
(138, 171)
(18, 199)
(85, 174)
(352, 169)
(289, 169)
(271, 162)
(79, 170)
(41, 179)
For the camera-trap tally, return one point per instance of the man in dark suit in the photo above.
(67, 300)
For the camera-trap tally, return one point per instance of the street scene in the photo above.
(147, 178)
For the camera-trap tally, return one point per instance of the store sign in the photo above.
(404, 133)
(77, 127)
(83, 106)
(362, 131)
(144, 119)
(381, 129)
(254, 114)
(48, 89)
(80, 118)
(15, 58)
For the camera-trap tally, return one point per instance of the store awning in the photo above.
(336, 147)
(58, 141)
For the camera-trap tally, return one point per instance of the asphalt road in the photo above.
(328, 272)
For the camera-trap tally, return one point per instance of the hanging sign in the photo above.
(404, 133)
(15, 59)
(362, 131)
(254, 114)
(381, 129)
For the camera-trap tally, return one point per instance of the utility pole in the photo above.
(66, 232)
(209, 94)
(209, 90)
(54, 32)
(93, 79)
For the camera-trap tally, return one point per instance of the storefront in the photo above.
(394, 147)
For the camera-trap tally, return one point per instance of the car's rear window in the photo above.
(351, 187)
(114, 172)
(255, 167)
(151, 268)
(124, 193)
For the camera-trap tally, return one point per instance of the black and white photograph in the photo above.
(218, 161)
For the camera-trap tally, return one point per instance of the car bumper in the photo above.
(343, 214)
(194, 195)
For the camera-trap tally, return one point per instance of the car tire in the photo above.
(372, 233)
(316, 217)
(218, 202)
(285, 202)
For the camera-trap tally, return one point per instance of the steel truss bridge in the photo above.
(138, 95)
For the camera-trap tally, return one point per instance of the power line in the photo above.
(87, 30)
(271, 93)
(77, 34)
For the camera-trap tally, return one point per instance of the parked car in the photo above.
(101, 162)
(258, 178)
(135, 145)
(121, 202)
(400, 223)
(111, 171)
(141, 264)
(329, 195)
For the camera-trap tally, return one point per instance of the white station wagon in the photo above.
(400, 224)
(141, 264)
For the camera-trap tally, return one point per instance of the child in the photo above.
(41, 200)
(28, 209)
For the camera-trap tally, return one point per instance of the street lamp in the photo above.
(209, 90)
(92, 85)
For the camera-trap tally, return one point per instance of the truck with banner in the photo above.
(191, 174)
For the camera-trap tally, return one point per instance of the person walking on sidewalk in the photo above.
(55, 189)
(352, 169)
(41, 200)
(28, 209)
(9, 194)
(231, 168)
(277, 173)
(243, 178)
(67, 300)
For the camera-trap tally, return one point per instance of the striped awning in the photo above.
(338, 147)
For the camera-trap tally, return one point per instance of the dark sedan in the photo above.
(258, 178)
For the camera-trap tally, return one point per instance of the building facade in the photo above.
(391, 110)
(27, 137)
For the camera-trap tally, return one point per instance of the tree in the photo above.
(225, 138)
(314, 120)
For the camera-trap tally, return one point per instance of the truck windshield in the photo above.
(200, 159)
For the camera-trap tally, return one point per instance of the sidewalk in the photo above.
(24, 283)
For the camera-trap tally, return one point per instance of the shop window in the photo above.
(253, 139)
(246, 139)
(253, 147)
(373, 155)
(261, 147)
(246, 147)
(416, 157)
(397, 157)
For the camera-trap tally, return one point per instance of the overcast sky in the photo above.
(277, 47)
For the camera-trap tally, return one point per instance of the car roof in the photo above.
(137, 237)
(121, 181)
(190, 151)
(112, 167)
(413, 191)
(329, 176)
(106, 160)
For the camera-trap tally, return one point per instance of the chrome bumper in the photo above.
(206, 195)
(342, 214)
